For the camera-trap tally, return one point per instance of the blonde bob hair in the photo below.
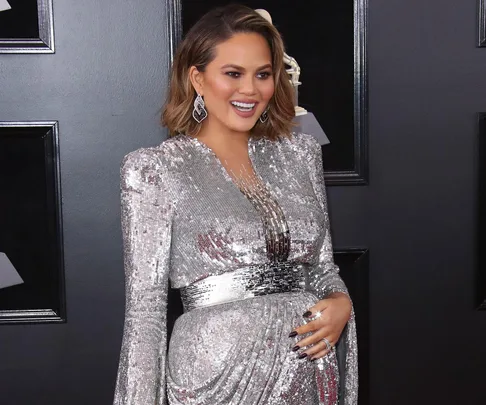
(198, 49)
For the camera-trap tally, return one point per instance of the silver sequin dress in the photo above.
(185, 221)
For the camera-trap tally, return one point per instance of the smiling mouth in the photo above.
(243, 107)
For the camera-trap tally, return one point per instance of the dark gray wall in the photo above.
(427, 80)
(417, 216)
(104, 84)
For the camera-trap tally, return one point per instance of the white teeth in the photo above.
(244, 106)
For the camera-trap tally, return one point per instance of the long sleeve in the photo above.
(324, 279)
(146, 228)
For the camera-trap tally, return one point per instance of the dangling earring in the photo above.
(264, 117)
(199, 113)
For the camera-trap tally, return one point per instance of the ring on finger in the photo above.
(317, 315)
(328, 344)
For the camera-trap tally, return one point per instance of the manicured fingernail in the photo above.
(293, 334)
(302, 356)
(307, 314)
(313, 359)
(295, 348)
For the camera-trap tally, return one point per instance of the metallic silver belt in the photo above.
(243, 283)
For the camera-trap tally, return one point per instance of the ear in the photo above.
(197, 79)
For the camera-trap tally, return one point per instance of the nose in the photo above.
(247, 85)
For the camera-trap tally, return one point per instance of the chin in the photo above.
(241, 126)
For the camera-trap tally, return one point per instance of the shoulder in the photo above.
(139, 161)
(152, 164)
(153, 157)
(140, 167)
(307, 141)
(301, 143)
(145, 165)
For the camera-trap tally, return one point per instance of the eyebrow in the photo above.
(268, 65)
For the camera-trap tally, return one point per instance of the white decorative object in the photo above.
(8, 274)
(4, 5)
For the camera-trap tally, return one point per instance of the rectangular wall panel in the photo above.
(27, 27)
(481, 208)
(31, 222)
(482, 23)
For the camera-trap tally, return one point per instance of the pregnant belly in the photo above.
(209, 344)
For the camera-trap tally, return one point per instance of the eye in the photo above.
(233, 74)
(264, 75)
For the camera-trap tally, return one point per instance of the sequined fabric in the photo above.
(244, 283)
(185, 218)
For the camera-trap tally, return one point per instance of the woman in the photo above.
(232, 210)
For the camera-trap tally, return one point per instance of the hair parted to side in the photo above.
(198, 49)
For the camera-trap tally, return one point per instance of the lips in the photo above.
(243, 106)
(245, 109)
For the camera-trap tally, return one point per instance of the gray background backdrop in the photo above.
(427, 80)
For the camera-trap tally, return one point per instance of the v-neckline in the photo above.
(278, 245)
(251, 142)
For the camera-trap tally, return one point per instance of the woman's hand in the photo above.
(335, 312)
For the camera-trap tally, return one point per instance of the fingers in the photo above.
(314, 321)
(313, 345)
(316, 351)
(318, 307)
(303, 329)
(319, 355)
(314, 337)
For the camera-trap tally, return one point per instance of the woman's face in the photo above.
(238, 84)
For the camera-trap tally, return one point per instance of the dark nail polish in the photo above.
(295, 348)
(293, 334)
(313, 359)
(302, 356)
(307, 314)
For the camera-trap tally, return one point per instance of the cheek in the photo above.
(267, 90)
(221, 90)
